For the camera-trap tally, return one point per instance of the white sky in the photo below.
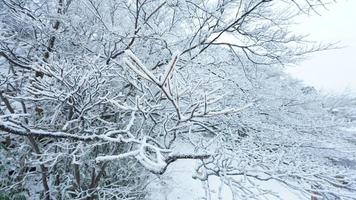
(333, 70)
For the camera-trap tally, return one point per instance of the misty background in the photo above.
(332, 71)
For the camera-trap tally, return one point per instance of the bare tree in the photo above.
(95, 94)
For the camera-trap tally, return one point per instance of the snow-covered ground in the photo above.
(177, 183)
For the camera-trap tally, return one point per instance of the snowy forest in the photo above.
(108, 99)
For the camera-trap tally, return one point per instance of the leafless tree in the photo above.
(96, 94)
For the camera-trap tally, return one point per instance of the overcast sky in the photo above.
(333, 70)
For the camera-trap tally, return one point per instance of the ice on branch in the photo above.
(138, 67)
(170, 69)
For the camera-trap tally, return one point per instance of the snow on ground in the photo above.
(177, 183)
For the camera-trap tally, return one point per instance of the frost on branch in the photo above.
(93, 98)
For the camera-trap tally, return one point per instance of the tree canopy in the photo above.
(97, 96)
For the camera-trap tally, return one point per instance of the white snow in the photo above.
(177, 183)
